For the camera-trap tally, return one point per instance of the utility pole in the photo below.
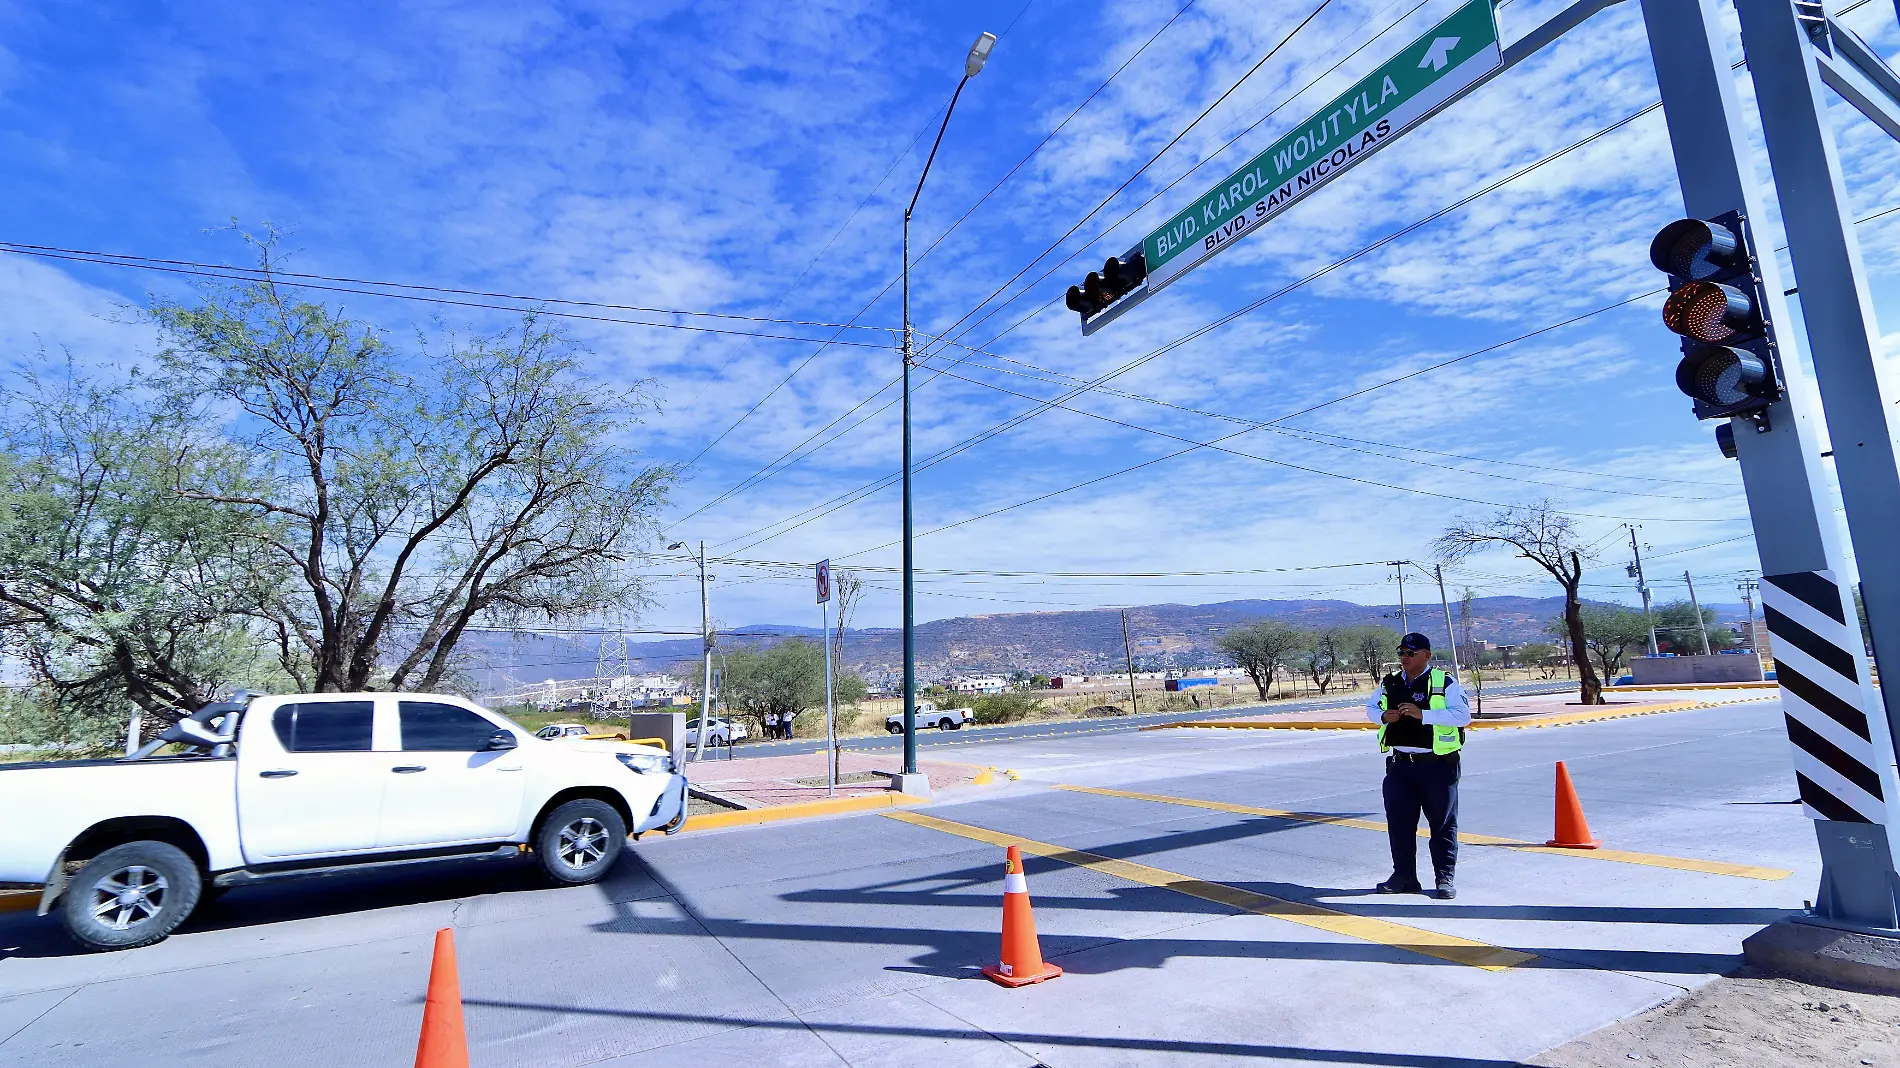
(1837, 733)
(1642, 587)
(1747, 587)
(1128, 651)
(1439, 570)
(706, 650)
(831, 714)
(1701, 631)
(1405, 625)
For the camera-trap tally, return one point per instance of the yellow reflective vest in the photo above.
(1445, 737)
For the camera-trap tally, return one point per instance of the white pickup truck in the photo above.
(270, 787)
(929, 715)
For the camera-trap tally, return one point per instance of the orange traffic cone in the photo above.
(1022, 954)
(1573, 832)
(443, 1044)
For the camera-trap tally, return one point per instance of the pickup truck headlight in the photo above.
(647, 763)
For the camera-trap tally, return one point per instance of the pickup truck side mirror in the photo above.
(500, 740)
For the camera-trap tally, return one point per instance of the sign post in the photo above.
(1407, 89)
(822, 578)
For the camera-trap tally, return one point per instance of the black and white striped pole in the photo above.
(1725, 301)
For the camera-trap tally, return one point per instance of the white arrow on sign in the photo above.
(1435, 56)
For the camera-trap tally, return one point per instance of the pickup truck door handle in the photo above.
(408, 769)
(280, 773)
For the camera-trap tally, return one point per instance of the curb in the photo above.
(1763, 685)
(828, 807)
(19, 900)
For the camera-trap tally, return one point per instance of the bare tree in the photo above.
(845, 589)
(1544, 536)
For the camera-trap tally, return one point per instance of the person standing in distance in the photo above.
(1422, 714)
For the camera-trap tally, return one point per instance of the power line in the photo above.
(1017, 420)
(232, 274)
(781, 462)
(768, 470)
(1157, 194)
(1251, 71)
(1314, 437)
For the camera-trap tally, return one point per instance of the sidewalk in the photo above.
(761, 782)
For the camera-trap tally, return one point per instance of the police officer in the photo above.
(1422, 714)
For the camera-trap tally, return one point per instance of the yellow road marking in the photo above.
(19, 900)
(1556, 719)
(1621, 856)
(827, 806)
(1383, 932)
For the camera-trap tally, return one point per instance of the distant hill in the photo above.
(1165, 636)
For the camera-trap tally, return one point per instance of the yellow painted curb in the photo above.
(19, 900)
(830, 806)
(1764, 685)
(1561, 719)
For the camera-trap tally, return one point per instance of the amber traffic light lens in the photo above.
(1708, 311)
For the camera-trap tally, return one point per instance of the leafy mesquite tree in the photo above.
(409, 496)
(114, 591)
(1544, 536)
(1261, 648)
(1322, 658)
(787, 678)
(1610, 631)
(1372, 648)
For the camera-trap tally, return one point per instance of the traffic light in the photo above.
(1118, 276)
(1716, 303)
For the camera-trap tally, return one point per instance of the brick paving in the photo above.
(774, 780)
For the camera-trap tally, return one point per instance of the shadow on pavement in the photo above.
(24, 934)
(1159, 1046)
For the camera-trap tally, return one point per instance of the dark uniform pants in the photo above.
(1430, 786)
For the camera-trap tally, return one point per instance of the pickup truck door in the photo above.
(309, 783)
(445, 786)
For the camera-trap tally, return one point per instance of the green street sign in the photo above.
(1410, 87)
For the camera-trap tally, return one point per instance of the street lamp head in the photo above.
(979, 54)
(675, 545)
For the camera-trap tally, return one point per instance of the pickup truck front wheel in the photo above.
(580, 841)
(131, 895)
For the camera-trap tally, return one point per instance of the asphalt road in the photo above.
(1188, 935)
(931, 737)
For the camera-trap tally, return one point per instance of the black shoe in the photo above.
(1445, 891)
(1394, 886)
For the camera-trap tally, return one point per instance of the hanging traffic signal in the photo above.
(1117, 278)
(1716, 303)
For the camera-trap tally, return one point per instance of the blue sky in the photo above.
(754, 159)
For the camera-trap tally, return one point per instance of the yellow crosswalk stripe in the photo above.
(1620, 856)
(1383, 932)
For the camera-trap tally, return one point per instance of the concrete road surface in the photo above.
(1189, 935)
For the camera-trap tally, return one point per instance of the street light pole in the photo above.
(910, 780)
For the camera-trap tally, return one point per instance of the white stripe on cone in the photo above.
(1014, 883)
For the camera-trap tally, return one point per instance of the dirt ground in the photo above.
(1747, 1021)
